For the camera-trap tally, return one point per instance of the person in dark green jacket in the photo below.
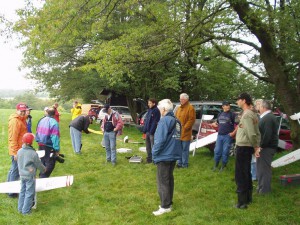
(247, 143)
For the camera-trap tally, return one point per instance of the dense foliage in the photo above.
(209, 49)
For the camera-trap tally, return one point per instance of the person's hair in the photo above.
(153, 100)
(184, 95)
(266, 104)
(51, 111)
(165, 104)
(258, 101)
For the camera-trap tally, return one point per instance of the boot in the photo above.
(249, 197)
(242, 200)
(223, 167)
(215, 166)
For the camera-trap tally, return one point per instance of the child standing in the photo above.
(28, 163)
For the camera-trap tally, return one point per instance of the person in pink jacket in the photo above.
(112, 126)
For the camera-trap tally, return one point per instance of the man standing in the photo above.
(28, 119)
(153, 116)
(112, 126)
(48, 138)
(16, 129)
(166, 150)
(247, 142)
(79, 124)
(226, 132)
(187, 116)
(268, 127)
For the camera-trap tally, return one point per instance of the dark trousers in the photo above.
(264, 170)
(165, 183)
(149, 145)
(243, 177)
(49, 162)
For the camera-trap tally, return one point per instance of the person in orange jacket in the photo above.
(16, 129)
(187, 116)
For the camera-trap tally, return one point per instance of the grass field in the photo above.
(127, 193)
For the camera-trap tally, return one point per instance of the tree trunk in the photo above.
(274, 64)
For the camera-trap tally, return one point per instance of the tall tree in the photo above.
(275, 28)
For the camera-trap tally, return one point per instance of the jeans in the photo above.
(243, 168)
(184, 161)
(222, 148)
(110, 139)
(13, 173)
(149, 145)
(253, 167)
(48, 162)
(165, 183)
(26, 195)
(76, 139)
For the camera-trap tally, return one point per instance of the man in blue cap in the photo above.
(226, 131)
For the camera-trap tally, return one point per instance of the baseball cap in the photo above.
(106, 106)
(225, 103)
(28, 108)
(46, 108)
(28, 138)
(21, 106)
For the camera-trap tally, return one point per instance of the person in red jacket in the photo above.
(16, 129)
(56, 115)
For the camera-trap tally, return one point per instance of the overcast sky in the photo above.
(10, 57)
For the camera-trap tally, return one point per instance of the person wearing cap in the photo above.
(48, 138)
(79, 124)
(226, 131)
(28, 163)
(187, 117)
(111, 126)
(28, 119)
(247, 143)
(76, 110)
(16, 129)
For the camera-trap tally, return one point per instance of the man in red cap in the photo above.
(16, 129)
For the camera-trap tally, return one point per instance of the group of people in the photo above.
(23, 160)
(256, 135)
(168, 136)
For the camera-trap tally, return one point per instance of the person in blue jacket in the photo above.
(152, 118)
(167, 149)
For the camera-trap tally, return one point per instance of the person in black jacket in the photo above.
(268, 127)
(79, 124)
(152, 118)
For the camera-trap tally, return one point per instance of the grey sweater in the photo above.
(28, 162)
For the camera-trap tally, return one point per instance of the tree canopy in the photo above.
(211, 49)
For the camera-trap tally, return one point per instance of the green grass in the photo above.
(127, 193)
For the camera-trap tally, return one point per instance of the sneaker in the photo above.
(33, 205)
(170, 206)
(161, 211)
